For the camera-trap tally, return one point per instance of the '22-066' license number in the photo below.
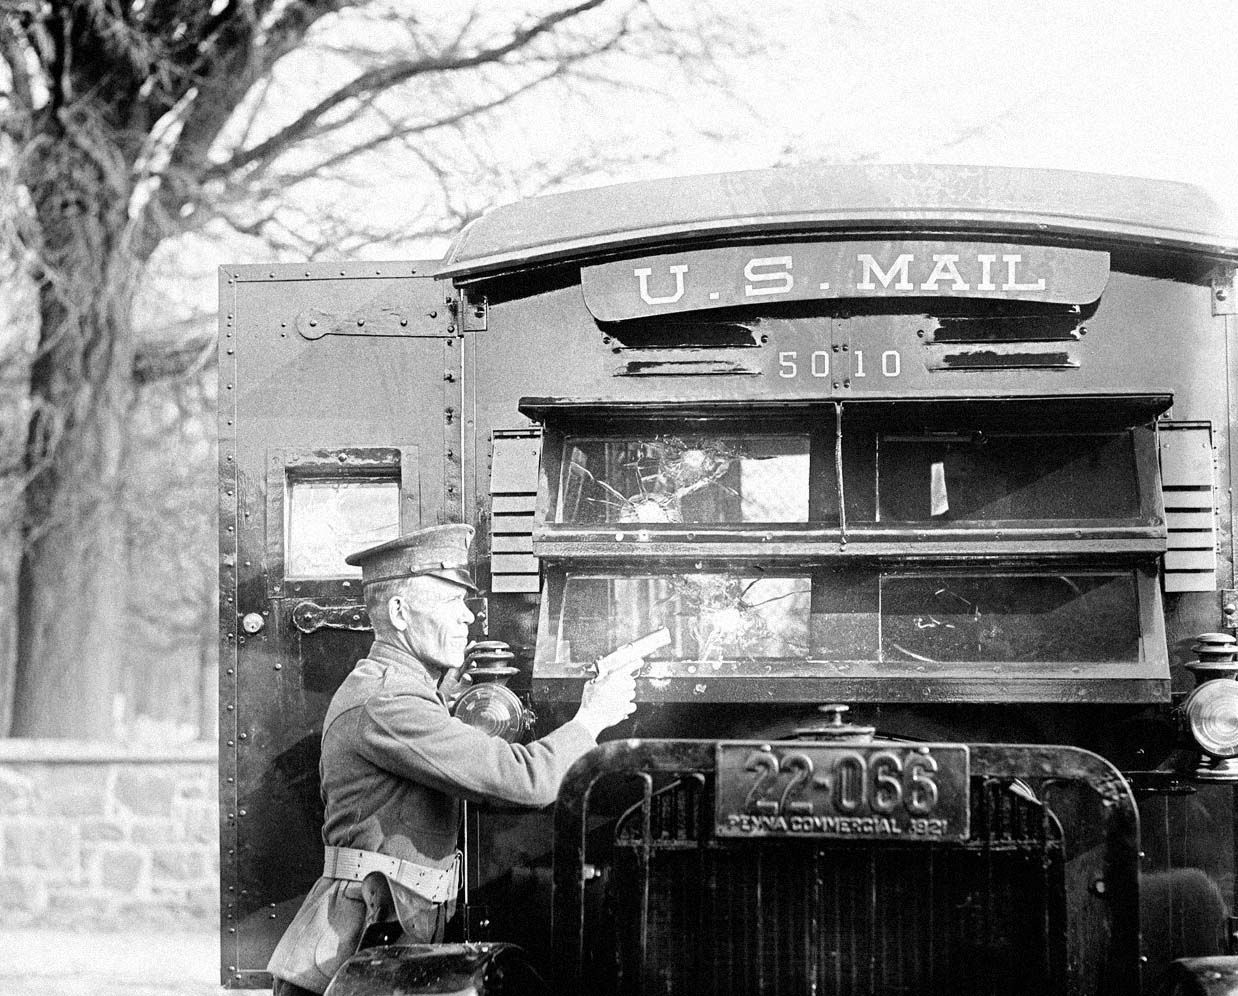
(879, 791)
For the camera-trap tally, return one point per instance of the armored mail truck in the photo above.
(927, 473)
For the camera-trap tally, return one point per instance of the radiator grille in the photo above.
(684, 913)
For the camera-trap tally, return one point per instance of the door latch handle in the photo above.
(309, 617)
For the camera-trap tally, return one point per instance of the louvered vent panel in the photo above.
(1187, 487)
(513, 498)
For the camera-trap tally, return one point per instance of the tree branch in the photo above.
(387, 76)
(169, 358)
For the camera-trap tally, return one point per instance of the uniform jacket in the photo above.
(395, 766)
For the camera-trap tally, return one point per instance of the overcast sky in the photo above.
(1134, 87)
(1117, 86)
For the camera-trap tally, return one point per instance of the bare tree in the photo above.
(136, 121)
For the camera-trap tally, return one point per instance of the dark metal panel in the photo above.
(830, 680)
(1139, 340)
(1229, 455)
(923, 199)
(645, 544)
(322, 406)
(228, 591)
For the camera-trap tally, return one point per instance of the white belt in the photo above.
(351, 864)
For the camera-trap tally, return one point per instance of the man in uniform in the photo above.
(396, 765)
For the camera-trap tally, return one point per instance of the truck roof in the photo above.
(821, 199)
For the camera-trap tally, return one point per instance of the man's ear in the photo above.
(394, 604)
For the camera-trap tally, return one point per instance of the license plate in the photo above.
(877, 791)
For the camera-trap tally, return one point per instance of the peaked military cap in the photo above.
(440, 551)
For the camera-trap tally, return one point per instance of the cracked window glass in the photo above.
(682, 478)
(711, 616)
(327, 519)
(1010, 618)
(977, 477)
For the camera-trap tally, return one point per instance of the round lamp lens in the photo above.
(493, 709)
(1212, 710)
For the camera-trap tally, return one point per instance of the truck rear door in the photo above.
(339, 428)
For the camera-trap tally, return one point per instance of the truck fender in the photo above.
(460, 969)
(1213, 976)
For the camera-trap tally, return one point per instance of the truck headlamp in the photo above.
(1212, 711)
(494, 709)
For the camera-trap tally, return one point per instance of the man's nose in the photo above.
(468, 613)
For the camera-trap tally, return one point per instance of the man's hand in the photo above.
(608, 699)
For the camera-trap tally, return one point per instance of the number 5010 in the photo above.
(817, 364)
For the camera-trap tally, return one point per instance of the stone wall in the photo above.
(100, 835)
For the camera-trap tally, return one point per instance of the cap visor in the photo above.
(455, 575)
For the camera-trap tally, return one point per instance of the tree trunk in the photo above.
(9, 560)
(71, 600)
(17, 317)
(73, 572)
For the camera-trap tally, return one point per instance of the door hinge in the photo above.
(1225, 292)
(474, 312)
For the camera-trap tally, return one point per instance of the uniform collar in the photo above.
(392, 656)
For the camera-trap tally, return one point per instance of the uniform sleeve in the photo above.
(418, 739)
